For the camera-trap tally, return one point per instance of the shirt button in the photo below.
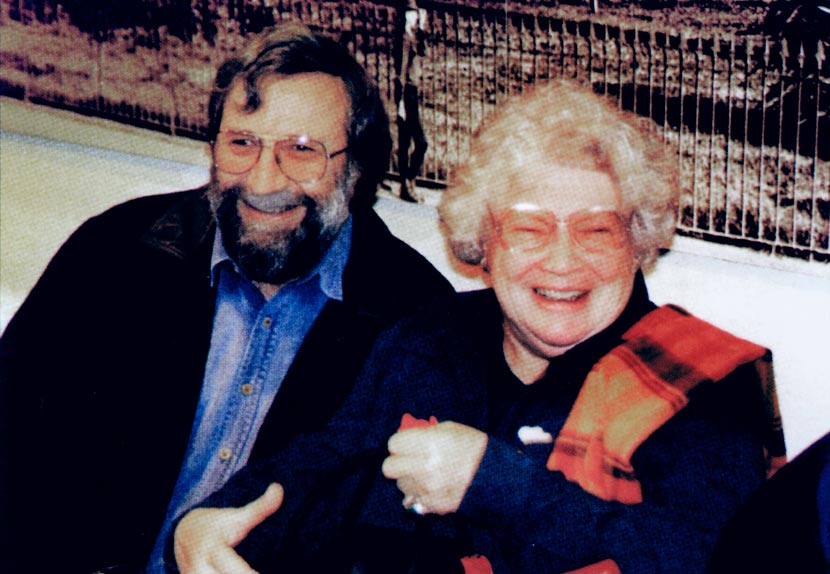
(266, 323)
(247, 389)
(225, 454)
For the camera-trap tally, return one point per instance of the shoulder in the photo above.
(462, 323)
(387, 274)
(434, 360)
(105, 252)
(132, 219)
(149, 208)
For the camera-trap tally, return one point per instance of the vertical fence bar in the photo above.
(753, 123)
(779, 185)
(503, 47)
(718, 141)
(686, 210)
(428, 81)
(645, 40)
(444, 107)
(796, 238)
(469, 43)
(723, 108)
(710, 195)
(600, 38)
(727, 51)
(693, 45)
(820, 234)
(618, 49)
(535, 39)
(762, 227)
(807, 155)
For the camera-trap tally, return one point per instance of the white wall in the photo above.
(57, 169)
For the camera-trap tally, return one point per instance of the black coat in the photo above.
(785, 525)
(102, 367)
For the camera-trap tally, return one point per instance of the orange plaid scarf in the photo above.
(641, 384)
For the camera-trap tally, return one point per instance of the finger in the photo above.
(202, 543)
(406, 440)
(408, 500)
(407, 486)
(397, 466)
(252, 514)
(229, 562)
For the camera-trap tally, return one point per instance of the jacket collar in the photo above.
(186, 228)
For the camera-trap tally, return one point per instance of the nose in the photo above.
(561, 254)
(266, 176)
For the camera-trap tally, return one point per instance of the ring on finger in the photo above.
(411, 503)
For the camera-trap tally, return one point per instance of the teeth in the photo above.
(270, 209)
(559, 295)
(272, 203)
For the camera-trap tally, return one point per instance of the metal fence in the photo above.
(747, 116)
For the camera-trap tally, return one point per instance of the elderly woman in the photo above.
(557, 420)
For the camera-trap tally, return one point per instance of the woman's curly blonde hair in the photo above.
(567, 125)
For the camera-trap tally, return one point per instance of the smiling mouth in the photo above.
(274, 203)
(560, 296)
(271, 210)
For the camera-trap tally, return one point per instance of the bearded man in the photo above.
(174, 338)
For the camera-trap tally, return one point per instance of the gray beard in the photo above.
(283, 257)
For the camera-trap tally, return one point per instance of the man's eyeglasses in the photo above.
(529, 229)
(300, 158)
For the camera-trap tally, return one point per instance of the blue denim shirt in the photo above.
(252, 346)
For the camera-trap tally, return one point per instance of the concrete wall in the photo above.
(57, 169)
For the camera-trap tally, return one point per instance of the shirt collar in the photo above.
(329, 270)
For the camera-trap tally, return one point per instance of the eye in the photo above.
(301, 148)
(242, 142)
(599, 231)
(524, 232)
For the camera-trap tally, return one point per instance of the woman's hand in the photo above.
(205, 538)
(434, 466)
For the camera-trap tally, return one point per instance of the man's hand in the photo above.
(205, 538)
(434, 466)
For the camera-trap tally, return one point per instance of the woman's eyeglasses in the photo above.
(597, 230)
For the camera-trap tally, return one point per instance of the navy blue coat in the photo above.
(448, 362)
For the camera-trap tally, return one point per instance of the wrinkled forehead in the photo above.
(561, 189)
(313, 104)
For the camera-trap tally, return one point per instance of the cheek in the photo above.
(223, 181)
(613, 267)
(615, 282)
(321, 192)
(505, 267)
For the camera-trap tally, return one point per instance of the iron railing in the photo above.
(748, 117)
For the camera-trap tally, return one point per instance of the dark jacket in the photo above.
(785, 526)
(102, 368)
(448, 362)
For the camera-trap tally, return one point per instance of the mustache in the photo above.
(276, 202)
